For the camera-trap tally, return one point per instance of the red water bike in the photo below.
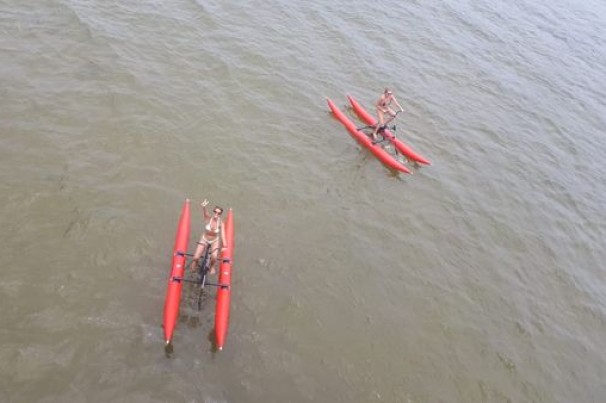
(198, 279)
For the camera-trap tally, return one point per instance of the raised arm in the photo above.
(204, 211)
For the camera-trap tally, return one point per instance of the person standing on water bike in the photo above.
(214, 231)
(383, 108)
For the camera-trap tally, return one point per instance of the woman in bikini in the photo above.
(383, 108)
(213, 233)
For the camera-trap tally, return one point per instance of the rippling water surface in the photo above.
(479, 278)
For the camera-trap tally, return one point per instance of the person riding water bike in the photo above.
(383, 108)
(214, 232)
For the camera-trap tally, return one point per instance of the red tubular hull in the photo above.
(378, 151)
(173, 293)
(400, 146)
(224, 291)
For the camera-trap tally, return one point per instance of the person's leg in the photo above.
(380, 123)
(214, 253)
(392, 116)
(202, 244)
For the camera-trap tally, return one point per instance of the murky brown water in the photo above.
(479, 278)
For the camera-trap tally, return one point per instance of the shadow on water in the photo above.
(211, 339)
(168, 350)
